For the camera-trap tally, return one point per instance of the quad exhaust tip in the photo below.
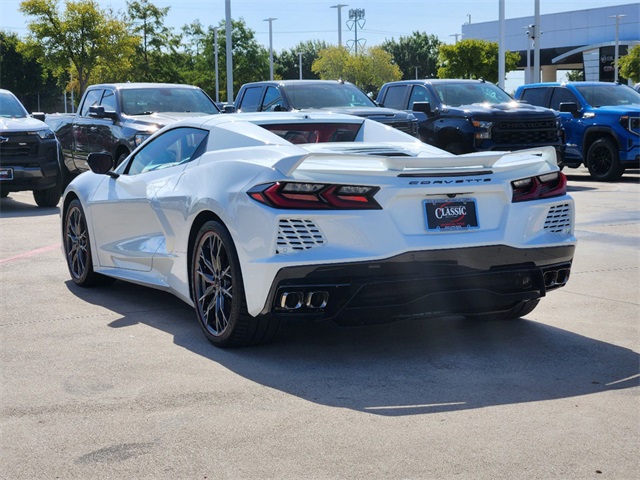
(314, 300)
(556, 278)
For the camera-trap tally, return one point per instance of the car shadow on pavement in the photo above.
(628, 177)
(409, 367)
(10, 207)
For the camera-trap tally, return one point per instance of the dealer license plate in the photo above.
(451, 214)
(6, 173)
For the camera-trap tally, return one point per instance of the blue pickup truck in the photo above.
(601, 122)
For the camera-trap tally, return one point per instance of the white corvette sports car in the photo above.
(256, 218)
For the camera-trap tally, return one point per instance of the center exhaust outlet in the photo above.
(317, 299)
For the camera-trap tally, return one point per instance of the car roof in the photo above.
(299, 82)
(436, 81)
(563, 84)
(132, 85)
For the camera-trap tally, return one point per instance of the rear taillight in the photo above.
(315, 196)
(542, 186)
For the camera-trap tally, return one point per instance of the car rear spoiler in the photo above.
(375, 164)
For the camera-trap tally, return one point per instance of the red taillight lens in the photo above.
(315, 196)
(543, 186)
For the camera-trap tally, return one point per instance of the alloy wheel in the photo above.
(213, 284)
(76, 242)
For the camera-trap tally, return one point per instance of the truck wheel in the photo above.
(603, 162)
(121, 158)
(49, 197)
(455, 147)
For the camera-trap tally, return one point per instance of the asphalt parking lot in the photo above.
(119, 382)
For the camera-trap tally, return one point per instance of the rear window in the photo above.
(561, 95)
(534, 96)
(394, 97)
(315, 132)
(250, 101)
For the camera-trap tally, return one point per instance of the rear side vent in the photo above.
(295, 235)
(558, 219)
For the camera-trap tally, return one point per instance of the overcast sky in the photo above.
(301, 20)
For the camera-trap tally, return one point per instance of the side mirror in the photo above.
(569, 107)
(424, 107)
(277, 108)
(229, 109)
(38, 116)
(100, 112)
(101, 164)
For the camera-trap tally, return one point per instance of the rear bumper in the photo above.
(454, 281)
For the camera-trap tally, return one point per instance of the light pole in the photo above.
(501, 53)
(215, 56)
(339, 8)
(228, 27)
(456, 35)
(617, 47)
(300, 63)
(270, 20)
(536, 44)
(531, 35)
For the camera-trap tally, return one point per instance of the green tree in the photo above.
(250, 60)
(195, 35)
(575, 75)
(287, 63)
(25, 77)
(158, 56)
(332, 63)
(474, 59)
(629, 65)
(369, 70)
(418, 50)
(79, 41)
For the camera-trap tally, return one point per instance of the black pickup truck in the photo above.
(116, 118)
(328, 95)
(463, 116)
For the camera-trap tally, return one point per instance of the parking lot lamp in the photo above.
(339, 8)
(270, 20)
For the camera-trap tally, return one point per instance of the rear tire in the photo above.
(218, 294)
(520, 310)
(603, 161)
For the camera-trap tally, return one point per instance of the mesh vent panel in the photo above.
(558, 218)
(295, 235)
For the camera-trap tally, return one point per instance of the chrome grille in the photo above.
(295, 235)
(558, 219)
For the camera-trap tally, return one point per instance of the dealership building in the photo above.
(579, 40)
